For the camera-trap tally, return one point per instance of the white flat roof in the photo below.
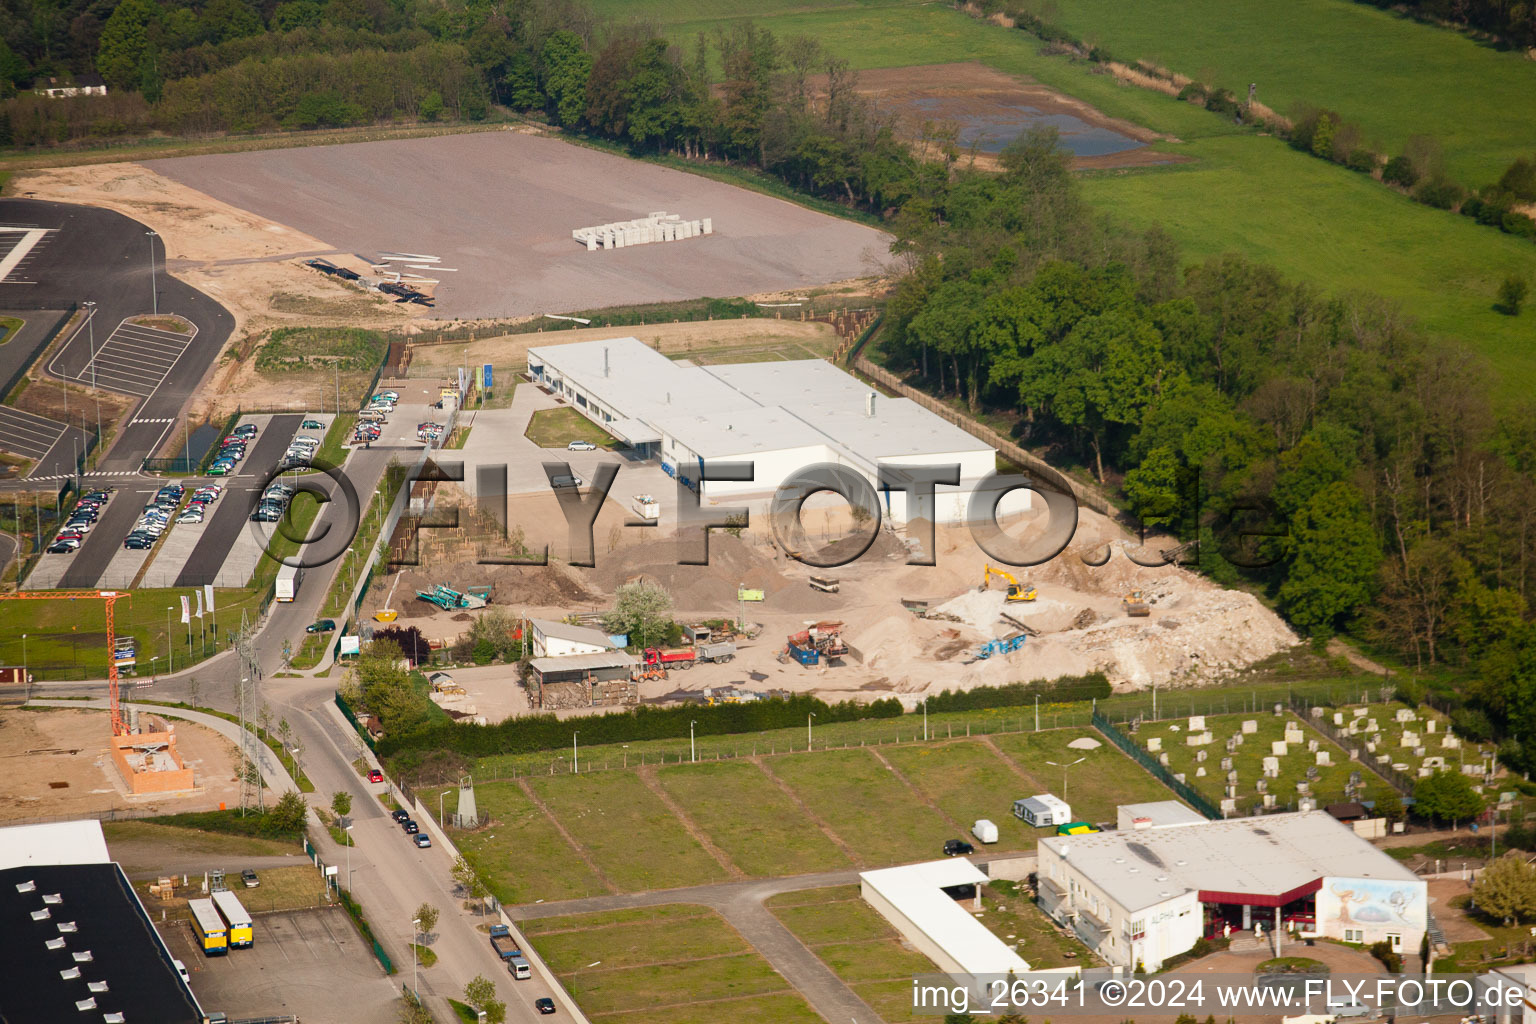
(1164, 813)
(916, 891)
(747, 408)
(1263, 856)
(57, 842)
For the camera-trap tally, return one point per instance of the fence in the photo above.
(1010, 451)
(351, 716)
(1186, 792)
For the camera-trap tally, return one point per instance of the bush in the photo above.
(1223, 102)
(1095, 685)
(1362, 160)
(1518, 224)
(277, 822)
(1512, 294)
(1439, 192)
(1194, 92)
(1391, 960)
(1399, 171)
(1472, 724)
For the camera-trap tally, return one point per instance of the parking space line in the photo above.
(134, 359)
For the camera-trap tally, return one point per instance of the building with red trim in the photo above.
(1143, 895)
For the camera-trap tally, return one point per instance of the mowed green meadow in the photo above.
(1235, 190)
(558, 837)
(1393, 76)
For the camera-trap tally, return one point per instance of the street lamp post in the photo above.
(626, 755)
(1064, 768)
(925, 719)
(154, 294)
(575, 763)
(170, 646)
(440, 808)
(26, 679)
(808, 730)
(90, 322)
(693, 752)
(415, 923)
(348, 831)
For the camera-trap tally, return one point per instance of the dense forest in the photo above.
(1343, 462)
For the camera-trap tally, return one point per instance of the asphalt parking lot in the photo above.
(308, 963)
(133, 359)
(20, 247)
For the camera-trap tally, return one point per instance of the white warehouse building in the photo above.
(782, 416)
(1142, 895)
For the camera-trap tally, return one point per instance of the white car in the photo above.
(581, 446)
(190, 517)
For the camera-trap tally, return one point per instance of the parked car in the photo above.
(311, 425)
(136, 543)
(190, 516)
(221, 468)
(581, 446)
(566, 481)
(401, 815)
(957, 848)
(63, 547)
(322, 626)
(423, 841)
(544, 1005)
(374, 775)
(248, 879)
(411, 828)
(246, 430)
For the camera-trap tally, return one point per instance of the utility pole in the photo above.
(154, 294)
(250, 671)
(90, 320)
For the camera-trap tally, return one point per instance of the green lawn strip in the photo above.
(463, 1011)
(1504, 944)
(639, 943)
(1105, 779)
(425, 957)
(811, 897)
(663, 916)
(521, 856)
(780, 1008)
(9, 325)
(1248, 760)
(883, 732)
(333, 450)
(751, 819)
(191, 840)
(1008, 910)
(1338, 230)
(869, 808)
(355, 560)
(1393, 76)
(968, 781)
(600, 991)
(845, 920)
(556, 428)
(892, 1000)
(66, 639)
(628, 831)
(873, 960)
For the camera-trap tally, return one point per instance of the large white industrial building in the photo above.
(781, 416)
(1142, 895)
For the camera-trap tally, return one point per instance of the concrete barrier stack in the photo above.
(658, 226)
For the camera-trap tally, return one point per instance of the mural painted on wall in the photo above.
(1375, 905)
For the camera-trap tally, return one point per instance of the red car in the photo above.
(375, 776)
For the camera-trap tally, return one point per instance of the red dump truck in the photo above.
(669, 657)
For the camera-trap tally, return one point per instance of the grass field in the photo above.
(66, 639)
(628, 831)
(1240, 192)
(857, 945)
(9, 325)
(968, 781)
(669, 963)
(868, 807)
(772, 838)
(1103, 780)
(1011, 915)
(296, 888)
(1410, 79)
(524, 858)
(190, 840)
(556, 428)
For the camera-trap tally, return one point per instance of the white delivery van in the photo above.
(519, 969)
(985, 831)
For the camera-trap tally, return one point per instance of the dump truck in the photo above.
(719, 651)
(503, 942)
(1135, 605)
(825, 584)
(669, 657)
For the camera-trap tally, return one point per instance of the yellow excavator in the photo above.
(1016, 591)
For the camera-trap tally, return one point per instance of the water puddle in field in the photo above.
(988, 126)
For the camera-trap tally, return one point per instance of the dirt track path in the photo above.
(577, 848)
(648, 776)
(810, 815)
(917, 792)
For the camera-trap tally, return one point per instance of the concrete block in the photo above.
(1154, 744)
(1277, 748)
(1197, 723)
(708, 225)
(1250, 726)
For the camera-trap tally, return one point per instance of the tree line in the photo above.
(1318, 447)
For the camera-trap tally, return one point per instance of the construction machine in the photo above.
(1135, 605)
(1016, 591)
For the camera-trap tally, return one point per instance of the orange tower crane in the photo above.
(110, 597)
